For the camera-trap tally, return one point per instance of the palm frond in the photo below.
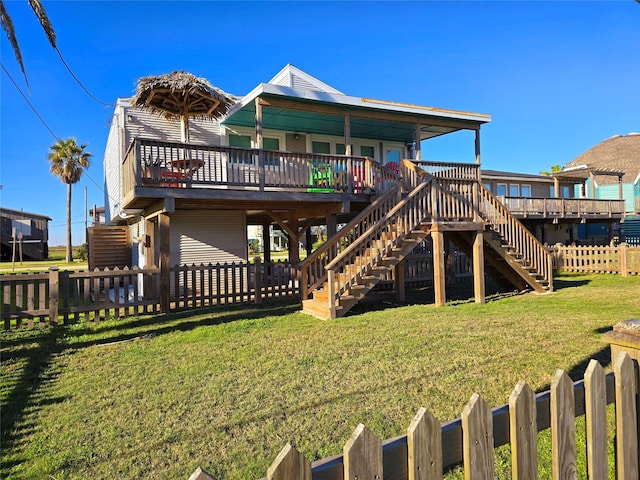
(40, 12)
(9, 29)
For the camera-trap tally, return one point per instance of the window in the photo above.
(340, 149)
(514, 190)
(552, 191)
(271, 144)
(487, 186)
(501, 190)
(241, 141)
(525, 190)
(367, 151)
(565, 192)
(320, 147)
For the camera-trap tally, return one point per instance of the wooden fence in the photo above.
(430, 447)
(622, 259)
(38, 299)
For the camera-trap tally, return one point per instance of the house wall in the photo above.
(612, 192)
(538, 189)
(207, 236)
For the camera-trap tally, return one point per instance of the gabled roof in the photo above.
(298, 102)
(293, 77)
(618, 154)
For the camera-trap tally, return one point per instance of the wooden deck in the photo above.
(564, 208)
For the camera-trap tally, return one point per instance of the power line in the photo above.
(79, 82)
(28, 102)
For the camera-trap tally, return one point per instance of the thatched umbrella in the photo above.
(181, 95)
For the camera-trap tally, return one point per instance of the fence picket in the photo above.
(477, 439)
(524, 433)
(363, 455)
(563, 430)
(289, 465)
(626, 418)
(596, 417)
(424, 445)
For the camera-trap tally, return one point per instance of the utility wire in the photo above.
(79, 82)
(47, 126)
(28, 102)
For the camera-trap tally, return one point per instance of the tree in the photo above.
(9, 29)
(68, 161)
(554, 169)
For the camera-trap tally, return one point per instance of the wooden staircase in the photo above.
(343, 270)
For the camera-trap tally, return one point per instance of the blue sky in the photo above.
(556, 77)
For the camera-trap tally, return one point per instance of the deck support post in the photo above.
(398, 281)
(556, 187)
(332, 225)
(477, 145)
(437, 237)
(347, 135)
(478, 267)
(418, 149)
(266, 241)
(165, 262)
(294, 246)
(149, 254)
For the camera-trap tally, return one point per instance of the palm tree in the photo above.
(7, 26)
(68, 161)
(554, 169)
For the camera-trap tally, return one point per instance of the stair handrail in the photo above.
(313, 270)
(404, 217)
(516, 234)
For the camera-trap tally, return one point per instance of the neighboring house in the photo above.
(548, 206)
(296, 153)
(32, 234)
(609, 171)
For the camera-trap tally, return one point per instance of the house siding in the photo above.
(612, 192)
(112, 161)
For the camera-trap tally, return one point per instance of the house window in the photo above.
(514, 190)
(525, 190)
(501, 190)
(240, 141)
(552, 191)
(340, 149)
(320, 147)
(487, 186)
(367, 151)
(565, 192)
(274, 145)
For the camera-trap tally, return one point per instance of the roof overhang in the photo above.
(583, 172)
(306, 111)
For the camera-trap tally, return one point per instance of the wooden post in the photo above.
(477, 145)
(257, 280)
(165, 262)
(624, 263)
(294, 247)
(332, 225)
(438, 268)
(556, 187)
(478, 267)
(308, 241)
(266, 241)
(620, 192)
(347, 135)
(592, 186)
(260, 144)
(54, 294)
(418, 149)
(398, 281)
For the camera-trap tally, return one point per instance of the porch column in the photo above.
(478, 267)
(259, 144)
(165, 262)
(418, 150)
(294, 247)
(437, 238)
(266, 241)
(556, 187)
(398, 281)
(592, 187)
(620, 193)
(477, 145)
(347, 135)
(332, 225)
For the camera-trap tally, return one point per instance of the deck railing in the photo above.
(563, 207)
(162, 164)
(521, 240)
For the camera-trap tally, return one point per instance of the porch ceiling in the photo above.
(288, 110)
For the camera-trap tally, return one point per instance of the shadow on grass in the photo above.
(37, 350)
(568, 282)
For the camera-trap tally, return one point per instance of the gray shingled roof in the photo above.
(620, 153)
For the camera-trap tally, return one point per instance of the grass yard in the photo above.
(156, 397)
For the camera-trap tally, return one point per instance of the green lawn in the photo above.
(156, 397)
